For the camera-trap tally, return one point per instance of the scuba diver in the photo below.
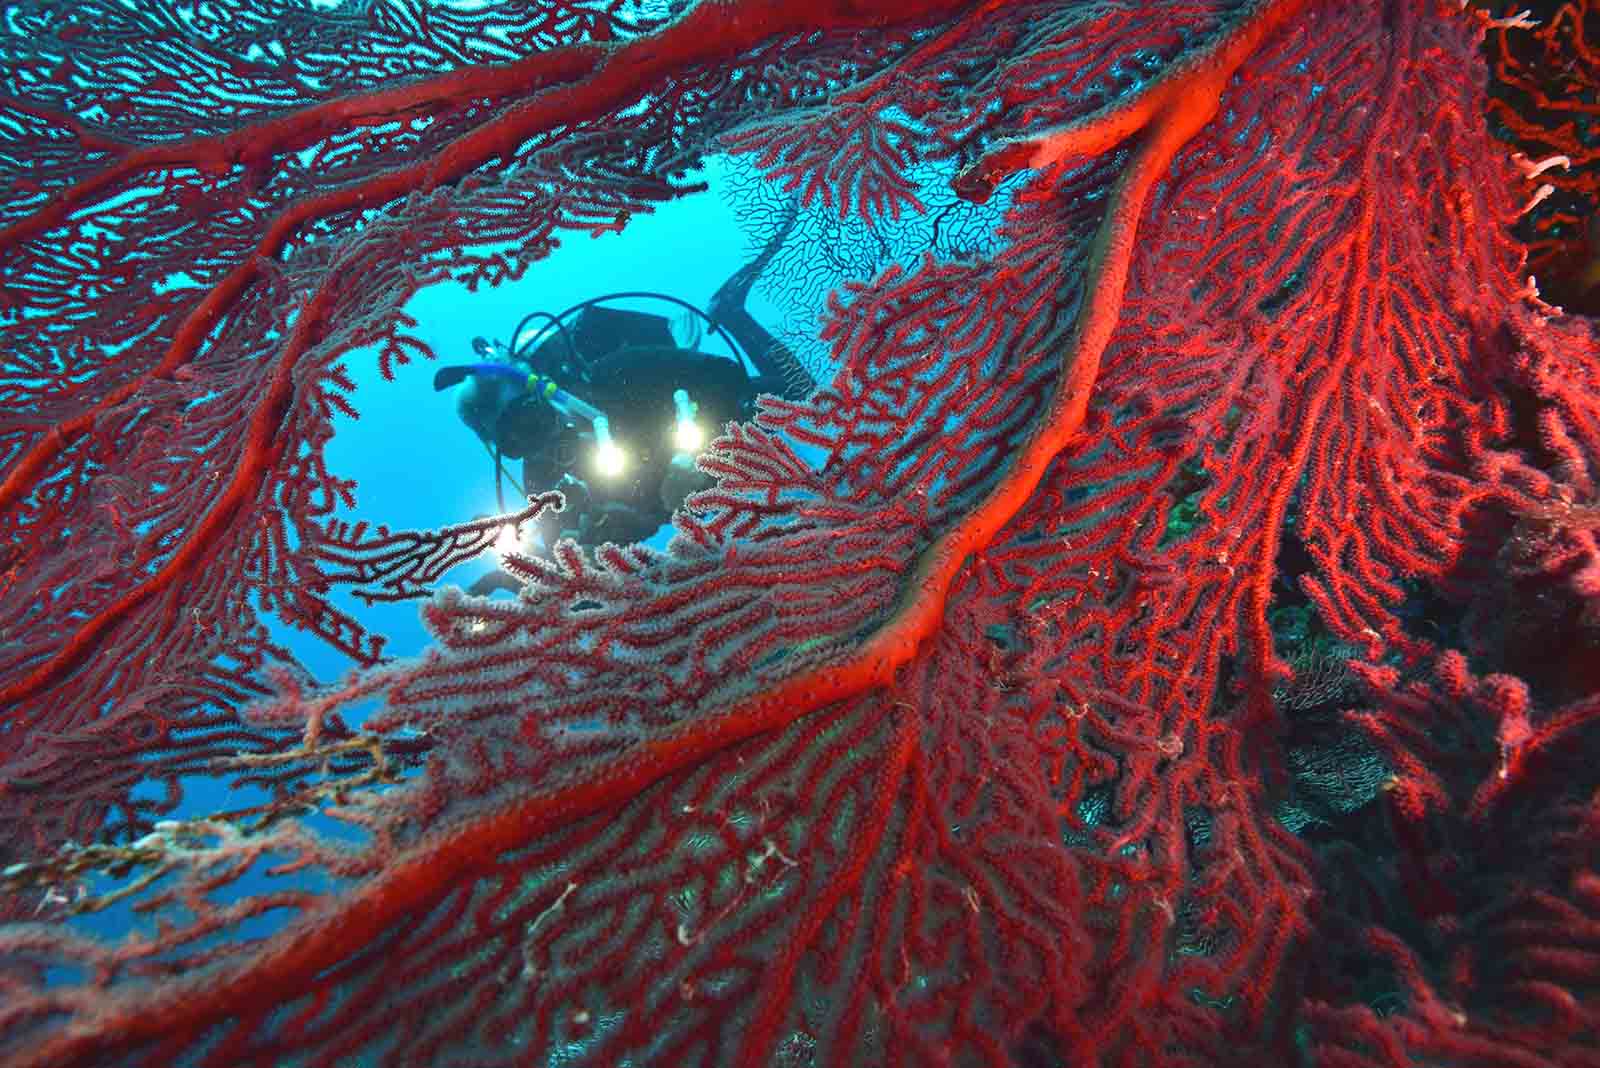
(606, 406)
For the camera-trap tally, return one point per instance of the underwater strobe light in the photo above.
(508, 541)
(609, 459)
(687, 436)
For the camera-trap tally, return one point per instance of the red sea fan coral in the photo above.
(944, 733)
(1546, 100)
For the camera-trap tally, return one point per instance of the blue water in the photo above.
(418, 466)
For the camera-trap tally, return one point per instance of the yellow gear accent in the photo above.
(538, 383)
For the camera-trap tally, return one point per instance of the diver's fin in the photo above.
(445, 377)
(773, 359)
(494, 580)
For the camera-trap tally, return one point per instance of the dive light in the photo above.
(687, 436)
(609, 458)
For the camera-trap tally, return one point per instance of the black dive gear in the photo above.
(594, 402)
(597, 377)
(632, 369)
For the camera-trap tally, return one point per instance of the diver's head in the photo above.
(484, 398)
